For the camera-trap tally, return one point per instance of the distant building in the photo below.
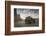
(16, 17)
(29, 20)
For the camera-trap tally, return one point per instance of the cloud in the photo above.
(34, 13)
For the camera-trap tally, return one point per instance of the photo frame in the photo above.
(24, 17)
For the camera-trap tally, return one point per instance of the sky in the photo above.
(34, 13)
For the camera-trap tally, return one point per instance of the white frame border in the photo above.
(26, 28)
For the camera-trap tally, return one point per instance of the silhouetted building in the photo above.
(29, 20)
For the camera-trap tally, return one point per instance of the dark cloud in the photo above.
(26, 12)
(20, 10)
